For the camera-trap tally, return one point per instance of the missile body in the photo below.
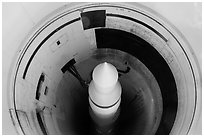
(104, 96)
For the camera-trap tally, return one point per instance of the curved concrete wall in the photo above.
(20, 18)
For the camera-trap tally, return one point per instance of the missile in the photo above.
(104, 96)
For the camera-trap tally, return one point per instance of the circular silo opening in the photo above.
(86, 29)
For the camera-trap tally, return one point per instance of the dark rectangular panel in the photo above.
(92, 19)
(68, 65)
(46, 90)
(39, 86)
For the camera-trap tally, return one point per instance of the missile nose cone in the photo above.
(105, 75)
(105, 90)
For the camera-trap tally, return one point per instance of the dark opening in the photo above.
(46, 90)
(68, 65)
(92, 19)
(58, 42)
(39, 86)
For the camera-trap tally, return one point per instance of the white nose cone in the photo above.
(105, 90)
(105, 75)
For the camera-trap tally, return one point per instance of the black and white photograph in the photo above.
(101, 68)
